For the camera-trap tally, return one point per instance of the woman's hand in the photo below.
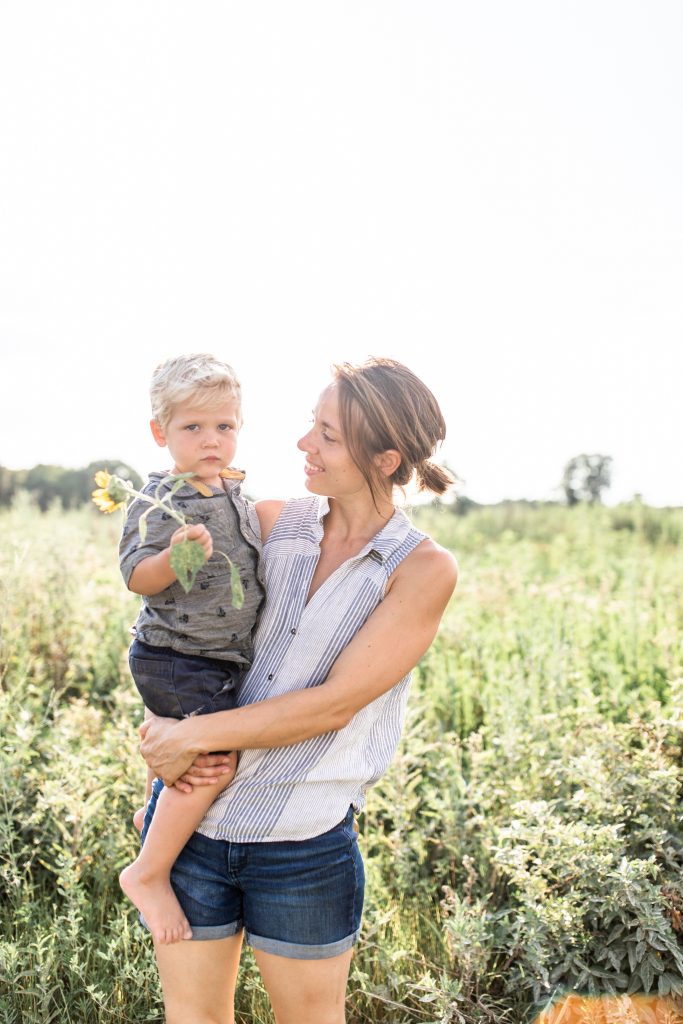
(166, 748)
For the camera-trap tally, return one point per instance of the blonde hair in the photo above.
(198, 376)
(383, 405)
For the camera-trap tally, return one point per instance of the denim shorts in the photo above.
(301, 900)
(176, 685)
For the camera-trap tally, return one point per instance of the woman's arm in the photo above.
(385, 649)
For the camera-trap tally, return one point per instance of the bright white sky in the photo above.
(490, 192)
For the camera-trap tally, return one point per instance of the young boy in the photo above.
(190, 649)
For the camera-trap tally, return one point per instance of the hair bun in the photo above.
(434, 478)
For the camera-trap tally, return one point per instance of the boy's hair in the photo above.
(198, 376)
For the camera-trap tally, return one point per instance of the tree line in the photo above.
(584, 479)
(49, 484)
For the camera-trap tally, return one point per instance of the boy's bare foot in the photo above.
(156, 901)
(139, 818)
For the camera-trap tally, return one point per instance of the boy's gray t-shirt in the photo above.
(204, 621)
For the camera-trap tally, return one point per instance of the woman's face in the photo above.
(329, 468)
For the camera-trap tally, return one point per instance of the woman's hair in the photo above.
(198, 376)
(382, 406)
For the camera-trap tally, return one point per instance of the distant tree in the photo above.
(43, 483)
(585, 477)
(71, 487)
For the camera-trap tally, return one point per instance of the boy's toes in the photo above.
(139, 818)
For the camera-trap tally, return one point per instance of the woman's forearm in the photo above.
(393, 639)
(277, 722)
(170, 746)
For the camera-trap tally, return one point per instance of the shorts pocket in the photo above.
(154, 680)
(202, 687)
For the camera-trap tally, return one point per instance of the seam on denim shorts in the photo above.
(302, 951)
(205, 933)
(355, 882)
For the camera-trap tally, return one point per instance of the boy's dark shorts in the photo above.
(177, 685)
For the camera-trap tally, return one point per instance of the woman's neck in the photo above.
(357, 519)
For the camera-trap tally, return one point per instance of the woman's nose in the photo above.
(304, 443)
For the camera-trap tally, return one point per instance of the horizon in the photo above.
(451, 497)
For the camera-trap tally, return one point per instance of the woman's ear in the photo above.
(157, 433)
(388, 462)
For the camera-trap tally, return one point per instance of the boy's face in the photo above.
(202, 441)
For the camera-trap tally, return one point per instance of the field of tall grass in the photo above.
(526, 843)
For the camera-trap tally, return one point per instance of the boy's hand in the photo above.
(208, 769)
(197, 532)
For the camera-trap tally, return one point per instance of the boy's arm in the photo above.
(154, 574)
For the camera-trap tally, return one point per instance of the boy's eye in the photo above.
(192, 426)
(225, 426)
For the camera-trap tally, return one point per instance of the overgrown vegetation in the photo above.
(526, 842)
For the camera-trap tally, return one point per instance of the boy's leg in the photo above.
(147, 880)
(139, 816)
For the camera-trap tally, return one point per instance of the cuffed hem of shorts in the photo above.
(204, 933)
(300, 951)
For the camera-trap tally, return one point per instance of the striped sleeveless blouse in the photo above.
(301, 791)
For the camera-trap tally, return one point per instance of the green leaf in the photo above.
(675, 983)
(632, 957)
(186, 560)
(647, 975)
(236, 587)
(663, 984)
(179, 479)
(142, 524)
(178, 483)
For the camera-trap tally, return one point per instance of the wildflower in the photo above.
(111, 492)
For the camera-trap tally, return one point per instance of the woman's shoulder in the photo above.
(301, 513)
(431, 564)
(268, 511)
(292, 517)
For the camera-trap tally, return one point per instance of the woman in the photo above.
(348, 578)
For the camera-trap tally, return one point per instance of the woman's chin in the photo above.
(312, 483)
(316, 487)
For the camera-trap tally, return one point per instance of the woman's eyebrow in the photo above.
(325, 424)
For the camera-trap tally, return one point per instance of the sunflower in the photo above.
(111, 492)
